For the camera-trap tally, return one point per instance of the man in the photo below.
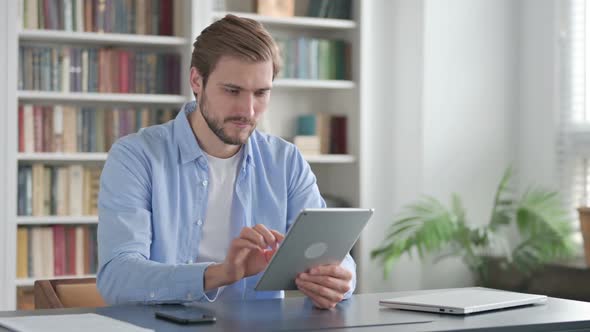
(192, 210)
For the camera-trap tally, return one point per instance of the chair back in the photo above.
(67, 293)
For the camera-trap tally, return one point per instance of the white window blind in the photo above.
(574, 138)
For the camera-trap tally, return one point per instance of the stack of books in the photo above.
(321, 133)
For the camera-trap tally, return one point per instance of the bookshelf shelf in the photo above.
(93, 97)
(31, 281)
(62, 220)
(313, 84)
(330, 159)
(294, 22)
(51, 156)
(94, 38)
(81, 157)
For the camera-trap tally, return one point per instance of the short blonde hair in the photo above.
(234, 36)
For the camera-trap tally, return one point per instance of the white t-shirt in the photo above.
(216, 232)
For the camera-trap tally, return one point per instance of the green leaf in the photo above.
(504, 204)
(425, 226)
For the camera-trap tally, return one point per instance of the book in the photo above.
(63, 191)
(71, 250)
(76, 190)
(80, 247)
(339, 141)
(276, 8)
(36, 252)
(318, 125)
(307, 145)
(22, 239)
(59, 249)
(47, 256)
(38, 189)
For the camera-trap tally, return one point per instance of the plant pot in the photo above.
(501, 276)
(584, 213)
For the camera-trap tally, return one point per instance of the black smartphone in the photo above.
(186, 316)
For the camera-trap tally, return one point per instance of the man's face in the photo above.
(236, 94)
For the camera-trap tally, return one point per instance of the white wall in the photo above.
(391, 148)
(441, 95)
(470, 89)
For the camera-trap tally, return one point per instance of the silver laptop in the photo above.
(317, 237)
(461, 301)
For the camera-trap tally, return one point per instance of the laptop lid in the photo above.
(462, 301)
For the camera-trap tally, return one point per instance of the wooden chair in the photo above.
(67, 293)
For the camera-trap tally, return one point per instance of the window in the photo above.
(574, 138)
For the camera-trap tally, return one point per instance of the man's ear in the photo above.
(196, 81)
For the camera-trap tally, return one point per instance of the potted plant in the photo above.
(428, 227)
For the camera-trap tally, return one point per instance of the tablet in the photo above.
(317, 237)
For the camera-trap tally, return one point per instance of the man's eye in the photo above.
(261, 93)
(232, 91)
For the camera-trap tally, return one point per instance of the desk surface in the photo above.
(361, 313)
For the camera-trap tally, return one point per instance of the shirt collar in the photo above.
(187, 142)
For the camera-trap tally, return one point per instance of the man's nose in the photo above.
(248, 105)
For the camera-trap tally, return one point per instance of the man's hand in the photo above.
(325, 285)
(248, 255)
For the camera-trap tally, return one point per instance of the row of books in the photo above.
(55, 190)
(59, 250)
(311, 58)
(329, 9)
(321, 133)
(89, 69)
(114, 16)
(71, 129)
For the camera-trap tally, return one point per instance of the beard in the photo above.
(216, 125)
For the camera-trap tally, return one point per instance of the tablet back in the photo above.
(317, 237)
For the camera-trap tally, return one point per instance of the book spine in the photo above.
(59, 248)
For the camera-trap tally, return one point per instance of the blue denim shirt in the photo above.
(153, 200)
